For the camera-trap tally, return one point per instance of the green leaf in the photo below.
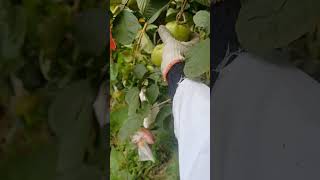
(73, 145)
(198, 59)
(151, 28)
(130, 126)
(115, 2)
(146, 44)
(116, 158)
(114, 70)
(265, 25)
(143, 4)
(150, 118)
(156, 76)
(139, 71)
(116, 173)
(164, 112)
(152, 93)
(155, 16)
(65, 108)
(132, 99)
(145, 109)
(171, 14)
(202, 19)
(126, 27)
(90, 31)
(117, 118)
(204, 2)
(70, 117)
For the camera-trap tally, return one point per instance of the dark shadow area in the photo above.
(53, 89)
(265, 97)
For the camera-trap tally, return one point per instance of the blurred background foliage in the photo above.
(292, 27)
(53, 56)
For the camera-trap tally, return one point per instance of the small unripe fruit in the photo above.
(156, 55)
(180, 32)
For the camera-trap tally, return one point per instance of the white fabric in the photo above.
(191, 112)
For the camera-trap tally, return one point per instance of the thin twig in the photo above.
(181, 12)
(137, 44)
(162, 103)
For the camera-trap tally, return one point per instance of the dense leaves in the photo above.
(275, 24)
(139, 94)
(265, 25)
(52, 62)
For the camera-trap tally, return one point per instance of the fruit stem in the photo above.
(181, 13)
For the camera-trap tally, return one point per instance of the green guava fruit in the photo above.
(180, 32)
(156, 55)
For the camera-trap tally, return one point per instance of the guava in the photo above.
(150, 68)
(25, 104)
(156, 55)
(27, 108)
(181, 32)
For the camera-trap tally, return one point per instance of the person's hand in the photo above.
(174, 50)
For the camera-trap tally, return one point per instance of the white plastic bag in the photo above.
(142, 139)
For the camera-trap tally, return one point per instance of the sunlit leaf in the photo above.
(146, 44)
(198, 59)
(126, 27)
(116, 173)
(202, 19)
